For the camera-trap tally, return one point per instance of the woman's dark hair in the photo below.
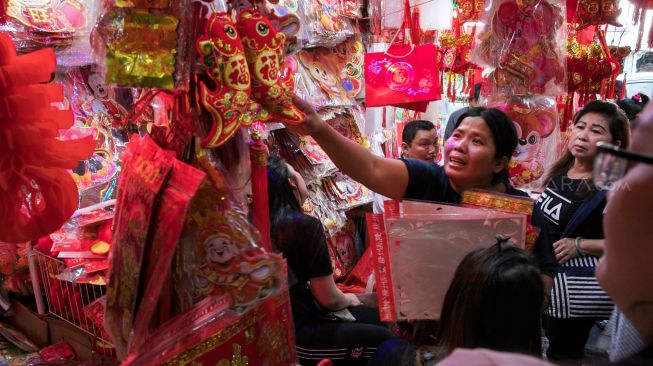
(634, 105)
(619, 130)
(495, 301)
(281, 198)
(410, 129)
(504, 134)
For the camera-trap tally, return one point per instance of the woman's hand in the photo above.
(353, 300)
(312, 123)
(565, 249)
(369, 300)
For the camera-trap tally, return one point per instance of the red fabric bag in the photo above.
(405, 76)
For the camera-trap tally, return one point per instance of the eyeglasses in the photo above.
(612, 163)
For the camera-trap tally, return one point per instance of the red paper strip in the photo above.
(382, 268)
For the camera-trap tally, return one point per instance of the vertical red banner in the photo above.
(382, 267)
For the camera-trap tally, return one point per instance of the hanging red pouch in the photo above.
(405, 76)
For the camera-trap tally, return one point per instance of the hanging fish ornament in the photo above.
(263, 46)
(229, 104)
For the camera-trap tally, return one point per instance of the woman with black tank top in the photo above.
(569, 213)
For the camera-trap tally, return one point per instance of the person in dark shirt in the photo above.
(476, 156)
(455, 115)
(569, 213)
(314, 296)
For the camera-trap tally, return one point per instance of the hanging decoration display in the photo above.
(532, 60)
(456, 58)
(406, 75)
(469, 10)
(641, 7)
(596, 12)
(40, 195)
(141, 47)
(263, 46)
(592, 70)
(229, 104)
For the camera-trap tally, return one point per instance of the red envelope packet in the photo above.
(184, 182)
(145, 170)
(210, 334)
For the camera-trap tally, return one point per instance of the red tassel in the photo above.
(602, 92)
(416, 29)
(260, 211)
(464, 84)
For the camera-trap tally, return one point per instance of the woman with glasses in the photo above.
(569, 213)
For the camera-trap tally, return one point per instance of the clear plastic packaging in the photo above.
(219, 253)
(144, 44)
(523, 44)
(419, 246)
(63, 25)
(325, 26)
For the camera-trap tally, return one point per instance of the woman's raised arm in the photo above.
(388, 177)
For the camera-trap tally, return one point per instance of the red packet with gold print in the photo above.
(145, 171)
(181, 187)
(209, 334)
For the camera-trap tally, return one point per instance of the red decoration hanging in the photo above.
(641, 6)
(263, 45)
(404, 76)
(38, 192)
(258, 155)
(469, 10)
(596, 12)
(229, 103)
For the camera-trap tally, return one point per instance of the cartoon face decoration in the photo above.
(535, 120)
(98, 86)
(320, 72)
(220, 249)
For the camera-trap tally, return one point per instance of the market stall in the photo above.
(134, 138)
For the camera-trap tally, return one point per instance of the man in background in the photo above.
(419, 141)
